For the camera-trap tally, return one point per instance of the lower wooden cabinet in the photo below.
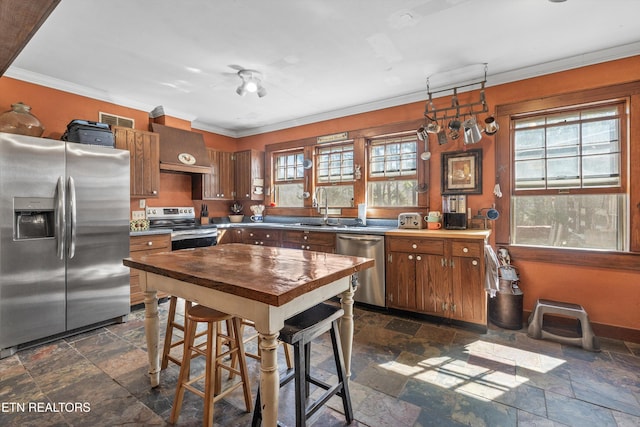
(294, 239)
(439, 277)
(309, 240)
(261, 236)
(140, 245)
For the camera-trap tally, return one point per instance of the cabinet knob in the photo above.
(308, 247)
(149, 243)
(414, 246)
(418, 257)
(474, 262)
(305, 237)
(410, 256)
(302, 247)
(465, 250)
(251, 234)
(247, 195)
(154, 192)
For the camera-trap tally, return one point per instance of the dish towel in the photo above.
(491, 277)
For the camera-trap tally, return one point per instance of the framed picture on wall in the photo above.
(462, 172)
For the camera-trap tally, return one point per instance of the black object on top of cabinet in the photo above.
(88, 132)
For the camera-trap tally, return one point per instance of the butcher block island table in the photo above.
(264, 284)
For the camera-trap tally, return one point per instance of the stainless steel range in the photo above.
(186, 232)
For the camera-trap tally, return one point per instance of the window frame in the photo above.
(300, 180)
(360, 138)
(392, 139)
(630, 131)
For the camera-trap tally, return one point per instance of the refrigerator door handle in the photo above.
(59, 218)
(72, 217)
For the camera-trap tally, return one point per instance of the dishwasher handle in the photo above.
(360, 238)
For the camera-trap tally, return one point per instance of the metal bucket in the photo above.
(505, 309)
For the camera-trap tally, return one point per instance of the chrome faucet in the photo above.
(325, 218)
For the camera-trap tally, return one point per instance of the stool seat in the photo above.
(200, 313)
(299, 331)
(587, 338)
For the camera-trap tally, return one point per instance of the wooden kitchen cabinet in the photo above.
(219, 184)
(309, 240)
(145, 160)
(144, 245)
(437, 276)
(249, 166)
(261, 236)
(229, 235)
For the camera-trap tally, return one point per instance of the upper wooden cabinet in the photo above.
(19, 21)
(219, 184)
(249, 166)
(145, 159)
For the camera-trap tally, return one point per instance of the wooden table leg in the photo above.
(152, 333)
(269, 378)
(346, 325)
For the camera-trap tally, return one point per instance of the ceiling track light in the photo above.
(251, 82)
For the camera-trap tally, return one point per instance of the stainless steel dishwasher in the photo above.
(371, 284)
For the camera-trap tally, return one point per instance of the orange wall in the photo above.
(611, 297)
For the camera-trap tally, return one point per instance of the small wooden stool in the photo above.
(586, 340)
(299, 331)
(212, 351)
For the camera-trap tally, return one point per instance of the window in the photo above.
(393, 175)
(568, 179)
(289, 175)
(335, 173)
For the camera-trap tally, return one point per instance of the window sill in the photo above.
(600, 259)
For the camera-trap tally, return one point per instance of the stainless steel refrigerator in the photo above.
(64, 230)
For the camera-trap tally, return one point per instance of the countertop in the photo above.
(270, 275)
(350, 229)
(150, 232)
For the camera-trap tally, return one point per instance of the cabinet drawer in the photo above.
(251, 234)
(416, 245)
(309, 237)
(466, 249)
(309, 247)
(154, 242)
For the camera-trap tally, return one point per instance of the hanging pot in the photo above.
(472, 132)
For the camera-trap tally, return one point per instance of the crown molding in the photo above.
(510, 76)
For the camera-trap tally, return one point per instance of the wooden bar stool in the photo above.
(299, 331)
(212, 351)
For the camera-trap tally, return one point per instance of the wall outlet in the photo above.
(137, 215)
(143, 203)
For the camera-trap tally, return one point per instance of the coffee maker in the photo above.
(454, 212)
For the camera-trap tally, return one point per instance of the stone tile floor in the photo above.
(406, 372)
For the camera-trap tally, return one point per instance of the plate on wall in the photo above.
(186, 158)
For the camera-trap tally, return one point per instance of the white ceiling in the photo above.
(320, 59)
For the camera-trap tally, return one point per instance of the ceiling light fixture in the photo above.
(251, 82)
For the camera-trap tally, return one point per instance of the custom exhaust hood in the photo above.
(181, 150)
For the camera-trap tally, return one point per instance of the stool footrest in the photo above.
(586, 340)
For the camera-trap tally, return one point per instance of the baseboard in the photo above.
(600, 329)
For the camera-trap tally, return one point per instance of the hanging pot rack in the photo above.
(454, 111)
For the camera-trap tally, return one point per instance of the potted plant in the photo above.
(236, 213)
